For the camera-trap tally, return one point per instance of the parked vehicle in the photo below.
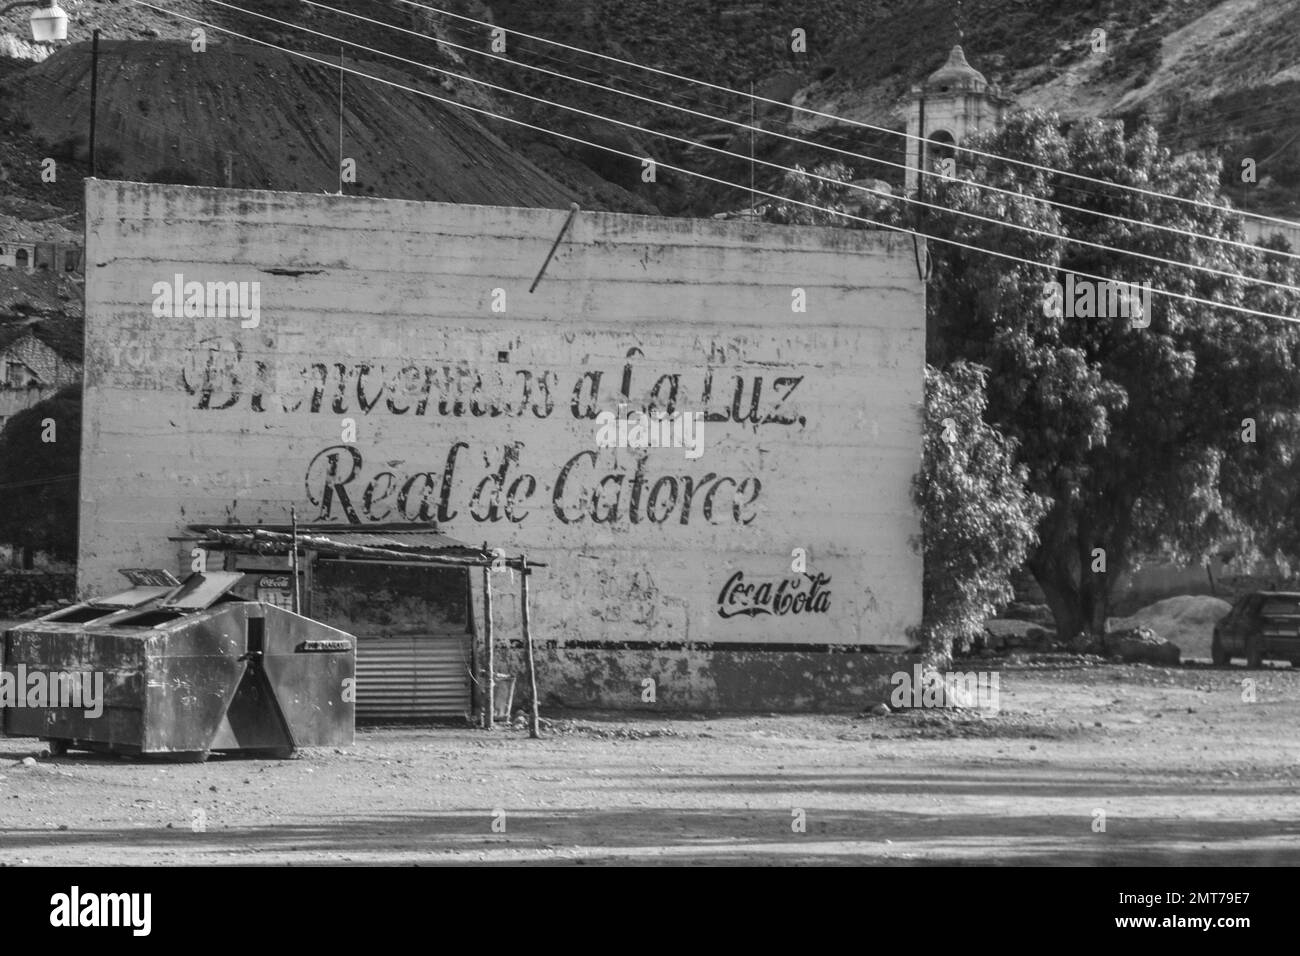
(1261, 624)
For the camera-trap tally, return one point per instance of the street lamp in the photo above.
(48, 22)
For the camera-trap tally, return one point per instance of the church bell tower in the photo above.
(954, 101)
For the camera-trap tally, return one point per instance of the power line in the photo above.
(845, 120)
(129, 121)
(574, 64)
(740, 125)
(690, 172)
(1209, 270)
(165, 153)
(41, 481)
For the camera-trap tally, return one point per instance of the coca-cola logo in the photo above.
(801, 594)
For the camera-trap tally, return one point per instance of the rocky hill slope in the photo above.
(1222, 75)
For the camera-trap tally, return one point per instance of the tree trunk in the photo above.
(1062, 601)
(1094, 604)
(1050, 566)
(1092, 590)
(1080, 606)
(29, 561)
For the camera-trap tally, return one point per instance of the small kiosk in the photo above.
(403, 590)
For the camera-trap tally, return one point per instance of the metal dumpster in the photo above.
(181, 671)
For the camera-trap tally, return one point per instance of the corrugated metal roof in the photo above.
(62, 336)
(388, 543)
(399, 537)
(40, 293)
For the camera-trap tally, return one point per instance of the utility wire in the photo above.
(165, 153)
(132, 120)
(847, 121)
(40, 481)
(786, 124)
(690, 172)
(746, 126)
(1209, 270)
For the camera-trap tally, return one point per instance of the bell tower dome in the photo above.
(954, 101)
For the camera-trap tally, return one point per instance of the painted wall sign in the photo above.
(801, 594)
(400, 371)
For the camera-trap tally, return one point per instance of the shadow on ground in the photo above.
(706, 837)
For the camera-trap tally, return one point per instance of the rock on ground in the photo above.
(1038, 614)
(1141, 645)
(1187, 620)
(1016, 634)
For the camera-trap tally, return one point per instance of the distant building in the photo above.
(1259, 231)
(31, 370)
(955, 101)
(34, 245)
(41, 256)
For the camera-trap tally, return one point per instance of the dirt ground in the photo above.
(1185, 770)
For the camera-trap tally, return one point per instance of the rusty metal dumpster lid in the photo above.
(148, 584)
(201, 590)
(131, 598)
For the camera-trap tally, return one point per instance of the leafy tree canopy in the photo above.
(1138, 434)
(38, 476)
(978, 518)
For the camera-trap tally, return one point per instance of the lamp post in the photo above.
(48, 22)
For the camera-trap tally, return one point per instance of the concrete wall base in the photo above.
(703, 680)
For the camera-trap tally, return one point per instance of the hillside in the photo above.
(166, 113)
(1222, 75)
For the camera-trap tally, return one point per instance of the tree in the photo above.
(801, 187)
(40, 457)
(977, 517)
(1138, 434)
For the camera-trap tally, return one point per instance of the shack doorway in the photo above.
(414, 635)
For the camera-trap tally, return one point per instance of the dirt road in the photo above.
(1185, 770)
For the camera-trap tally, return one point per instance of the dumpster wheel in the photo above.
(58, 747)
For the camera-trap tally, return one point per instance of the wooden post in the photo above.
(94, 95)
(534, 730)
(489, 712)
(293, 560)
(573, 211)
(308, 559)
(339, 165)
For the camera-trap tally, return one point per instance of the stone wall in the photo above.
(21, 590)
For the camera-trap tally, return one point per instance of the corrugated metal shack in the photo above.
(403, 590)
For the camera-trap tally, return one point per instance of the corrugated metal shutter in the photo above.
(412, 677)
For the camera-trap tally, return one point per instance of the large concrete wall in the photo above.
(382, 313)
